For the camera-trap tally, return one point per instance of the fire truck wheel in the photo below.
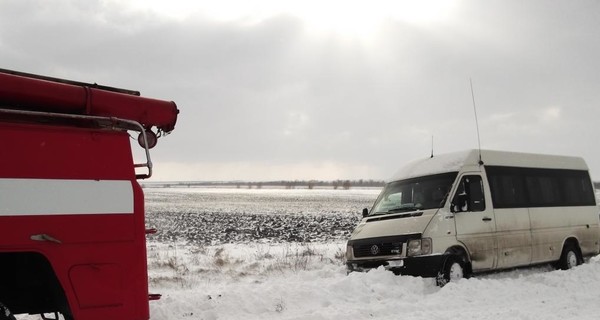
(5, 313)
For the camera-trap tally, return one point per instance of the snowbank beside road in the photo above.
(254, 282)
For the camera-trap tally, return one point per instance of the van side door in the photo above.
(475, 223)
(513, 224)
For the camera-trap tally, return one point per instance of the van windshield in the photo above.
(419, 193)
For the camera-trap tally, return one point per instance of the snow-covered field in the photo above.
(267, 276)
(221, 215)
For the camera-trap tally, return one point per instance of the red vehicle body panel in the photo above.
(69, 193)
(44, 95)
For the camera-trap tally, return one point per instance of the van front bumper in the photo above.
(422, 266)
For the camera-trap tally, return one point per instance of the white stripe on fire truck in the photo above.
(23, 197)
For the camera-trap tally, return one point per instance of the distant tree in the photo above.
(311, 184)
(346, 185)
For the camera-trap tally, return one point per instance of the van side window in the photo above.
(544, 190)
(507, 187)
(515, 187)
(469, 195)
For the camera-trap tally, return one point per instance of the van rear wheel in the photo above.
(570, 257)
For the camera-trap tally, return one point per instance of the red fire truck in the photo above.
(72, 232)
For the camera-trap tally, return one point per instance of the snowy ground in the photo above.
(272, 279)
(265, 277)
(229, 215)
(299, 281)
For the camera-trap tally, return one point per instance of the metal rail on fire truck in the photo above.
(72, 232)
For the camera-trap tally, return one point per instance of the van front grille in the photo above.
(377, 249)
(382, 246)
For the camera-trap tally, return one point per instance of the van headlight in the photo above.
(349, 253)
(419, 247)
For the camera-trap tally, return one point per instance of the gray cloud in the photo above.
(273, 94)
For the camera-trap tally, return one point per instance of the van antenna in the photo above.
(476, 122)
(432, 146)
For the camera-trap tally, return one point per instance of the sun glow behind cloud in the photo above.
(340, 17)
(362, 18)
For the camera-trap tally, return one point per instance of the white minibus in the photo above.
(453, 215)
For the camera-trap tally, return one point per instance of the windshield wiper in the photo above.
(379, 213)
(416, 213)
(403, 208)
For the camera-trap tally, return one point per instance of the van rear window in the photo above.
(517, 187)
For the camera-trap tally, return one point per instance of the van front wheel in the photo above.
(569, 258)
(5, 314)
(453, 269)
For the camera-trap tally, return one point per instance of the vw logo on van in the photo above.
(374, 250)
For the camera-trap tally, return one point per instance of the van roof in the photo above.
(454, 162)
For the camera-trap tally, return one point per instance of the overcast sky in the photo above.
(273, 90)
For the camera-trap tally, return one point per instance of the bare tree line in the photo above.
(287, 184)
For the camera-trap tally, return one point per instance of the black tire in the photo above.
(570, 257)
(5, 314)
(453, 269)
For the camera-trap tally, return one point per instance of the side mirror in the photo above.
(365, 212)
